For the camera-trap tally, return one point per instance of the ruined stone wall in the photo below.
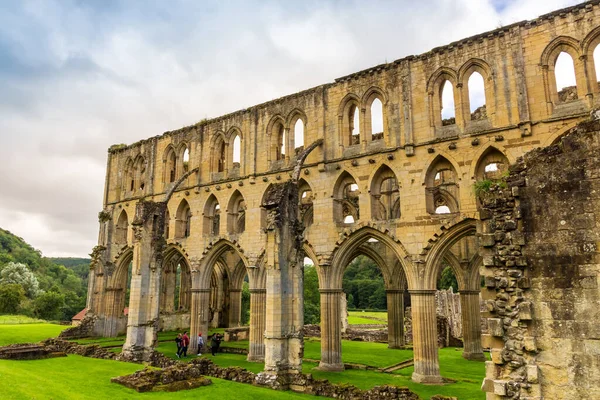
(521, 115)
(541, 267)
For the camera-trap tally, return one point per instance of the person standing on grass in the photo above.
(185, 342)
(178, 341)
(214, 343)
(200, 344)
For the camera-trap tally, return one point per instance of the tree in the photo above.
(21, 275)
(11, 296)
(49, 305)
(245, 303)
(312, 297)
(448, 280)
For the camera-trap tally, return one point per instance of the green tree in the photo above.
(448, 280)
(49, 306)
(11, 296)
(245, 303)
(21, 275)
(312, 297)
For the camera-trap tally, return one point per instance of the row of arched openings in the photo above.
(441, 192)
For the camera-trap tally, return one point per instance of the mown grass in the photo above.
(19, 319)
(367, 318)
(366, 353)
(28, 333)
(76, 377)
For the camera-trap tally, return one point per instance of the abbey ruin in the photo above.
(253, 192)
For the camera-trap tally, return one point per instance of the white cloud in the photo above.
(79, 76)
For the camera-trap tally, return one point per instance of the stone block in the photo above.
(495, 327)
(488, 240)
(532, 374)
(500, 388)
(497, 356)
(529, 343)
(525, 311)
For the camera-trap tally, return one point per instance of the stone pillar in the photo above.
(331, 334)
(427, 369)
(199, 315)
(284, 344)
(471, 325)
(144, 302)
(395, 308)
(258, 305)
(235, 308)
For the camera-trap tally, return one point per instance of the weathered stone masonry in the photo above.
(541, 267)
(360, 191)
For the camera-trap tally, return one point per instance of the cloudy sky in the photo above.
(79, 75)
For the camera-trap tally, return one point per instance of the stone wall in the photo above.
(540, 242)
(448, 305)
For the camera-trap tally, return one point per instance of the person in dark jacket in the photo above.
(214, 343)
(178, 342)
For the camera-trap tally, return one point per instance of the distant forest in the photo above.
(34, 285)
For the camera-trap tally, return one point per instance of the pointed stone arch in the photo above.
(212, 216)
(385, 194)
(490, 155)
(441, 186)
(236, 214)
(183, 220)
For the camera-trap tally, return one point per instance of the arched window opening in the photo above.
(596, 57)
(442, 209)
(236, 214)
(346, 200)
(282, 143)
(354, 119)
(171, 166)
(564, 72)
(183, 220)
(122, 228)
(305, 203)
(299, 134)
(186, 160)
(376, 120)
(492, 165)
(364, 287)
(128, 181)
(212, 216)
(385, 195)
(222, 157)
(477, 97)
(216, 220)
(237, 150)
(441, 187)
(139, 183)
(447, 101)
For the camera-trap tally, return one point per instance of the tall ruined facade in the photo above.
(190, 214)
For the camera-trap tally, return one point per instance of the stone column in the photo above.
(284, 344)
(331, 334)
(395, 308)
(471, 325)
(258, 305)
(427, 369)
(235, 308)
(199, 315)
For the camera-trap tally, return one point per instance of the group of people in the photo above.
(183, 341)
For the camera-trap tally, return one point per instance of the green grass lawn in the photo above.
(374, 318)
(468, 375)
(366, 353)
(76, 377)
(28, 333)
(19, 319)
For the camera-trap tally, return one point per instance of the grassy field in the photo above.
(19, 319)
(367, 318)
(76, 377)
(28, 333)
(91, 377)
